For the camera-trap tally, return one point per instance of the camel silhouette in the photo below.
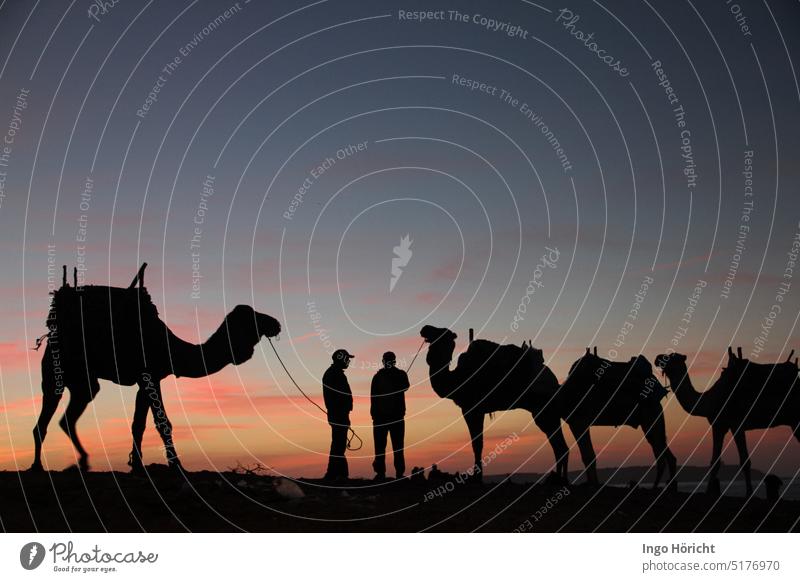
(115, 334)
(599, 392)
(746, 396)
(490, 377)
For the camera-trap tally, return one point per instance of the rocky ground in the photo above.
(164, 501)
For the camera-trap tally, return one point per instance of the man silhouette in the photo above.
(339, 403)
(388, 409)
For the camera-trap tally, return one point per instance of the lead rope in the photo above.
(414, 359)
(351, 435)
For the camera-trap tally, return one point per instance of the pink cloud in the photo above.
(428, 298)
(13, 357)
(446, 271)
(22, 407)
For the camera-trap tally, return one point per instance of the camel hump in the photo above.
(99, 305)
(482, 352)
(641, 366)
(759, 376)
(99, 323)
(620, 382)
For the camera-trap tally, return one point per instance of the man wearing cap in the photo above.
(339, 403)
(388, 409)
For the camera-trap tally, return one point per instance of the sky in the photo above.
(276, 154)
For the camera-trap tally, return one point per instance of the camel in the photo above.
(115, 334)
(746, 396)
(489, 378)
(599, 392)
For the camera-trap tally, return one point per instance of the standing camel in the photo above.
(746, 396)
(490, 377)
(599, 392)
(115, 334)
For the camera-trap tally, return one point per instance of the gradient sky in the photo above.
(262, 99)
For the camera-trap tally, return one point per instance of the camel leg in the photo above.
(656, 435)
(137, 429)
(744, 459)
(475, 425)
(51, 396)
(718, 435)
(50, 402)
(556, 438)
(78, 401)
(584, 439)
(153, 390)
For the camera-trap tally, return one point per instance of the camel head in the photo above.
(443, 339)
(252, 325)
(245, 327)
(440, 352)
(671, 364)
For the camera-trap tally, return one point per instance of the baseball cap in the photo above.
(342, 354)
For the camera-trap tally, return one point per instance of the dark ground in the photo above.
(231, 501)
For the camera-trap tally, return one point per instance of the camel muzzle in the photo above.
(267, 326)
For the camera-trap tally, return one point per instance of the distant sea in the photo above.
(690, 479)
(790, 491)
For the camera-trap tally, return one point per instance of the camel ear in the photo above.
(588, 351)
(595, 351)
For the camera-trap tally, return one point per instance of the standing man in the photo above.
(388, 410)
(339, 403)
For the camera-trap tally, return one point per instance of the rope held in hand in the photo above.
(351, 435)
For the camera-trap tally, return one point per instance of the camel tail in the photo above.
(40, 341)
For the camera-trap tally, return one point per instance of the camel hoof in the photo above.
(36, 468)
(135, 463)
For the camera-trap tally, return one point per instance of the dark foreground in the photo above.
(233, 501)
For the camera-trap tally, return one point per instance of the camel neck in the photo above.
(199, 360)
(692, 401)
(196, 360)
(442, 378)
